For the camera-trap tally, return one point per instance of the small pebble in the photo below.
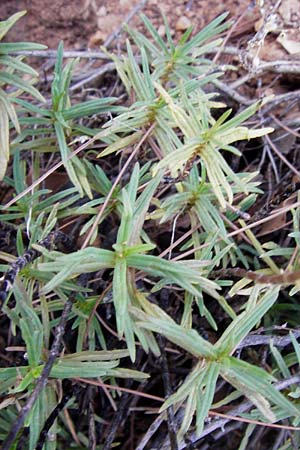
(125, 3)
(183, 23)
(97, 39)
(102, 11)
(161, 30)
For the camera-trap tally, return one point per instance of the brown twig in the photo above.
(284, 126)
(285, 278)
(227, 89)
(109, 67)
(168, 391)
(53, 238)
(86, 54)
(282, 157)
(120, 389)
(254, 339)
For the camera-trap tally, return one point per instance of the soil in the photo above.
(86, 23)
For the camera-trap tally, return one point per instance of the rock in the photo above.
(290, 41)
(126, 3)
(102, 11)
(97, 39)
(161, 30)
(183, 23)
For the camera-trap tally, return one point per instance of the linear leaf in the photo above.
(257, 381)
(205, 394)
(244, 322)
(5, 25)
(120, 293)
(14, 80)
(190, 340)
(4, 140)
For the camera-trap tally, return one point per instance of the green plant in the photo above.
(57, 122)
(186, 145)
(12, 70)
